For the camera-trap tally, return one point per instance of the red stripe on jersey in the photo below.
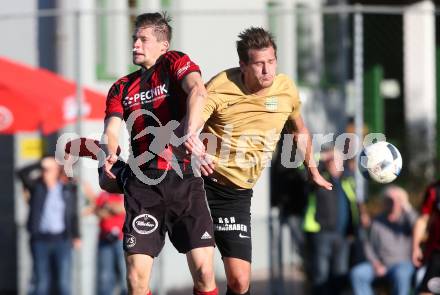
(162, 111)
(172, 56)
(140, 145)
(430, 198)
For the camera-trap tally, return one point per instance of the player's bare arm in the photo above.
(197, 94)
(306, 148)
(195, 88)
(418, 234)
(112, 127)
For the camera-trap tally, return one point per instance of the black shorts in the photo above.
(432, 271)
(175, 205)
(231, 214)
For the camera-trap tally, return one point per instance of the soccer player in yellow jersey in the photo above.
(246, 110)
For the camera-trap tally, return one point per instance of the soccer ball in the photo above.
(380, 161)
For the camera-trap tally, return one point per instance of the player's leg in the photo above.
(144, 232)
(230, 210)
(238, 275)
(191, 230)
(201, 265)
(138, 273)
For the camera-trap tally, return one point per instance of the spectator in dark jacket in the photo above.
(52, 224)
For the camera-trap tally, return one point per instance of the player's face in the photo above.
(260, 71)
(146, 48)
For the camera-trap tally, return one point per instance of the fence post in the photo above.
(358, 63)
(78, 126)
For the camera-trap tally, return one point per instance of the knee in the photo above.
(239, 282)
(137, 281)
(205, 277)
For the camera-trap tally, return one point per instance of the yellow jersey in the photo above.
(242, 129)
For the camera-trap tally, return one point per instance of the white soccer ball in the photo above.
(380, 161)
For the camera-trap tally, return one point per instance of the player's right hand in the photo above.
(110, 160)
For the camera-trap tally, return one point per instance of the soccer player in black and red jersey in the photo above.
(161, 192)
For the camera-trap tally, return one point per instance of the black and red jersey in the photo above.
(151, 98)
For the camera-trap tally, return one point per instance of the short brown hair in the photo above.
(158, 21)
(254, 38)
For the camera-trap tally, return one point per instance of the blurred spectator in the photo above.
(388, 247)
(52, 224)
(292, 207)
(109, 208)
(331, 217)
(288, 193)
(428, 222)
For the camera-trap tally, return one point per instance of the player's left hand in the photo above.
(319, 180)
(195, 147)
(207, 165)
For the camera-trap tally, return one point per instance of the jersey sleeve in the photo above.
(212, 101)
(182, 66)
(113, 105)
(296, 110)
(429, 200)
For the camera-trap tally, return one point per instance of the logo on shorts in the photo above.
(206, 236)
(145, 224)
(240, 235)
(130, 241)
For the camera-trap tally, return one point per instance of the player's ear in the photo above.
(242, 66)
(166, 45)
